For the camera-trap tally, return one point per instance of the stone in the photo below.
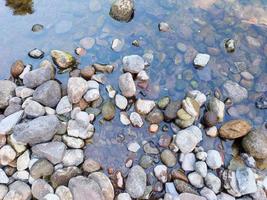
(23, 161)
(163, 102)
(92, 95)
(198, 96)
(208, 194)
(24, 92)
(3, 177)
(33, 109)
(150, 148)
(255, 143)
(41, 168)
(214, 160)
(153, 128)
(168, 158)
(7, 155)
(236, 92)
(100, 78)
(3, 191)
(170, 112)
(38, 76)
(201, 168)
(25, 71)
(235, 129)
(213, 182)
(123, 196)
(64, 106)
(36, 53)
(144, 107)
(224, 196)
(17, 68)
(40, 188)
(11, 195)
(246, 181)
(77, 87)
(161, 173)
(22, 189)
(64, 193)
(212, 131)
(87, 72)
(105, 184)
(121, 102)
(146, 161)
(182, 186)
(62, 59)
(21, 175)
(127, 85)
(187, 139)
(103, 68)
(136, 182)
(133, 147)
(210, 119)
(117, 45)
(133, 64)
(37, 28)
(122, 10)
(188, 161)
(7, 89)
(142, 76)
(52, 151)
(108, 111)
(155, 116)
(39, 130)
(73, 157)
(124, 119)
(191, 106)
(196, 180)
(12, 108)
(87, 42)
(83, 188)
(8, 123)
(62, 176)
(230, 45)
(188, 196)
(51, 196)
(48, 94)
(90, 165)
(218, 107)
(73, 142)
(136, 119)
(76, 129)
(164, 27)
(201, 60)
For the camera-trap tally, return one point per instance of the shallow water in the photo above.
(200, 25)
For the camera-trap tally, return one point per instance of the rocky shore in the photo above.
(46, 125)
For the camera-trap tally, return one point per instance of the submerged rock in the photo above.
(133, 64)
(122, 10)
(201, 60)
(63, 59)
(17, 68)
(235, 129)
(36, 54)
(143, 107)
(236, 92)
(127, 85)
(230, 45)
(77, 87)
(108, 111)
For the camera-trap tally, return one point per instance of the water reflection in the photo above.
(20, 7)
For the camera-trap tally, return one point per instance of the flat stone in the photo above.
(236, 92)
(246, 181)
(121, 102)
(201, 60)
(127, 85)
(8, 123)
(133, 64)
(235, 129)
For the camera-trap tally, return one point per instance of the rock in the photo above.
(163, 102)
(21, 175)
(124, 119)
(51, 196)
(3, 191)
(164, 27)
(8, 123)
(63, 59)
(73, 157)
(77, 87)
(187, 139)
(52, 151)
(184, 120)
(182, 186)
(40, 188)
(246, 181)
(83, 188)
(212, 131)
(117, 45)
(170, 112)
(90, 165)
(92, 95)
(230, 45)
(24, 92)
(201, 168)
(161, 173)
(142, 76)
(196, 180)
(34, 109)
(123, 196)
(133, 64)
(224, 196)
(37, 28)
(191, 106)
(41, 168)
(235, 129)
(73, 142)
(210, 119)
(17, 68)
(127, 85)
(188, 196)
(121, 102)
(87, 72)
(83, 131)
(136, 119)
(155, 116)
(103, 68)
(133, 147)
(64, 193)
(12, 108)
(217, 106)
(38, 76)
(39, 130)
(64, 106)
(260, 85)
(208, 194)
(122, 10)
(146, 161)
(214, 159)
(144, 106)
(136, 182)
(3, 177)
(201, 60)
(188, 161)
(87, 42)
(22, 189)
(255, 143)
(48, 94)
(36, 53)
(105, 184)
(23, 161)
(108, 111)
(198, 96)
(150, 148)
(7, 89)
(7, 155)
(62, 176)
(213, 182)
(168, 158)
(236, 92)
(230, 183)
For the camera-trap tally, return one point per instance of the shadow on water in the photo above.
(20, 7)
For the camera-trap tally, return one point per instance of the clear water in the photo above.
(202, 25)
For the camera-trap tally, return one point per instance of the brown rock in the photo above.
(87, 72)
(235, 129)
(17, 68)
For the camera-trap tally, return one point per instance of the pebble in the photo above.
(3, 191)
(188, 161)
(146, 161)
(201, 60)
(188, 196)
(23, 161)
(77, 87)
(123, 196)
(246, 181)
(37, 28)
(73, 157)
(142, 76)
(218, 107)
(136, 119)
(235, 129)
(7, 89)
(164, 27)
(90, 165)
(72, 142)
(117, 45)
(8, 123)
(108, 111)
(230, 45)
(127, 85)
(40, 188)
(36, 54)
(153, 128)
(64, 106)
(3, 177)
(121, 102)
(144, 107)
(213, 182)
(87, 72)
(208, 194)
(133, 64)
(17, 68)
(7, 155)
(64, 193)
(62, 59)
(124, 119)
(161, 173)
(168, 158)
(92, 95)
(201, 168)
(50, 196)
(236, 92)
(212, 131)
(224, 196)
(196, 180)
(34, 109)
(191, 106)
(87, 42)
(198, 96)
(182, 186)
(210, 119)
(122, 10)
(133, 147)
(41, 168)
(20, 188)
(214, 159)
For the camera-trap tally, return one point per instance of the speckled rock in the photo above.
(122, 10)
(235, 129)
(63, 59)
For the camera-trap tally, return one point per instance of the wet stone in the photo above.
(36, 54)
(17, 68)
(41, 168)
(133, 64)
(40, 188)
(7, 155)
(146, 161)
(235, 129)
(37, 28)
(201, 60)
(127, 85)
(168, 158)
(235, 91)
(122, 10)
(64, 192)
(63, 59)
(164, 27)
